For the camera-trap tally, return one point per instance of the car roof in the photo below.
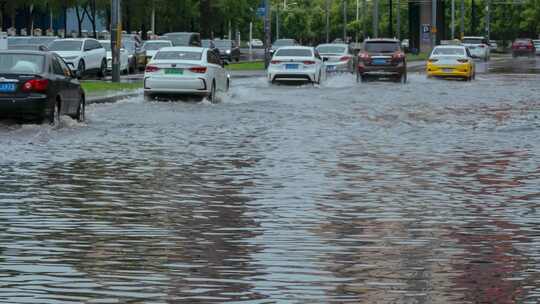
(333, 44)
(474, 37)
(453, 46)
(296, 47)
(28, 52)
(160, 41)
(183, 48)
(381, 40)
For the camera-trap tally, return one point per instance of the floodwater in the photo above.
(340, 193)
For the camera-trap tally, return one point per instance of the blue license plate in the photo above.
(7, 87)
(379, 61)
(291, 66)
(331, 68)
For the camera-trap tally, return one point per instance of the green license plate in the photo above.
(174, 71)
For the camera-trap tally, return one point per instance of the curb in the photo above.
(110, 99)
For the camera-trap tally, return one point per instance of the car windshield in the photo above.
(382, 46)
(65, 45)
(178, 55)
(179, 39)
(284, 42)
(522, 41)
(294, 53)
(449, 51)
(106, 46)
(154, 46)
(22, 63)
(206, 43)
(473, 40)
(223, 43)
(330, 49)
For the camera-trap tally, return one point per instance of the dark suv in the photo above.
(382, 58)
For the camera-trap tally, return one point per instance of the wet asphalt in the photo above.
(340, 193)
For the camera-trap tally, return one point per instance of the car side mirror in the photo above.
(87, 48)
(325, 59)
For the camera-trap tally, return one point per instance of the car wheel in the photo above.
(148, 96)
(81, 112)
(81, 67)
(102, 69)
(403, 79)
(212, 97)
(54, 114)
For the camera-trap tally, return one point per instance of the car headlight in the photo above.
(70, 58)
(228, 51)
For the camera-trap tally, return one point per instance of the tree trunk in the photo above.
(92, 18)
(65, 8)
(80, 19)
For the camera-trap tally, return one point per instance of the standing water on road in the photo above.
(339, 193)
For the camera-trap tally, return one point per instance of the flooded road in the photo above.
(344, 193)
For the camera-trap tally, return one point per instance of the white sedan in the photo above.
(124, 57)
(185, 71)
(296, 63)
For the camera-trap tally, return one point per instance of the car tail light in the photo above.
(309, 62)
(199, 70)
(398, 56)
(345, 58)
(36, 85)
(365, 56)
(433, 60)
(530, 46)
(275, 62)
(151, 69)
(482, 46)
(463, 60)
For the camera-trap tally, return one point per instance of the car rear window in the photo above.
(154, 46)
(449, 51)
(294, 53)
(178, 55)
(523, 41)
(381, 46)
(331, 49)
(473, 40)
(22, 63)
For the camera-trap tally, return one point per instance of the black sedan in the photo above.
(38, 85)
(228, 50)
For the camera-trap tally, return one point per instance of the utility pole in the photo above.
(277, 22)
(488, 19)
(357, 18)
(116, 38)
(398, 17)
(453, 21)
(390, 19)
(267, 32)
(153, 25)
(462, 25)
(375, 18)
(344, 20)
(327, 21)
(434, 29)
(364, 19)
(250, 41)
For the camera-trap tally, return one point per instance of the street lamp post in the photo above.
(327, 21)
(462, 23)
(267, 32)
(375, 18)
(398, 20)
(344, 20)
(116, 38)
(433, 23)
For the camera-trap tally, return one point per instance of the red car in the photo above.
(523, 47)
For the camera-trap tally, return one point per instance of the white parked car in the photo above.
(296, 63)
(84, 55)
(338, 57)
(124, 57)
(191, 71)
(153, 46)
(256, 43)
(478, 46)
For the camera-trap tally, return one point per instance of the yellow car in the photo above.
(451, 61)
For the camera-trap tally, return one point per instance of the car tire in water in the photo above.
(212, 96)
(81, 67)
(102, 69)
(148, 97)
(54, 114)
(81, 111)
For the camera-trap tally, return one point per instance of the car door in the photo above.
(214, 62)
(62, 84)
(98, 53)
